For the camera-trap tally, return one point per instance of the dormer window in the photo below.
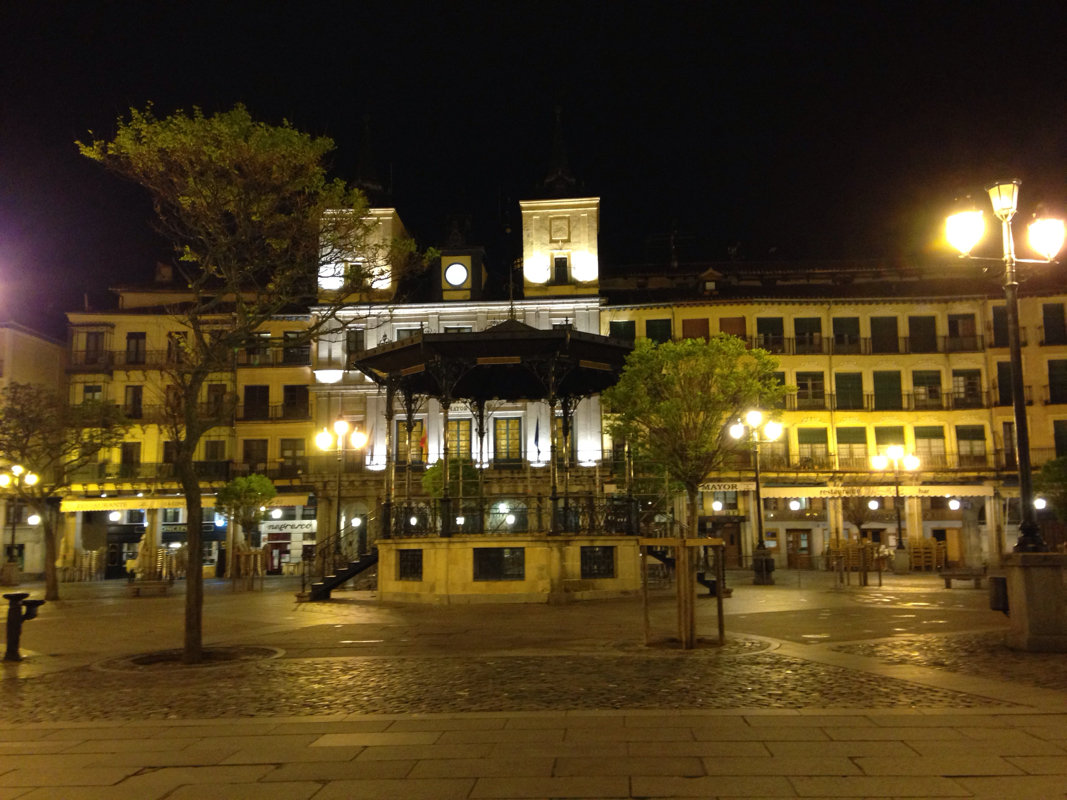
(560, 269)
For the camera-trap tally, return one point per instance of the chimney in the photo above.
(164, 273)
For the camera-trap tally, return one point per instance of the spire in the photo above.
(560, 181)
(366, 175)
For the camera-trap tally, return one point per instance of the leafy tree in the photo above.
(245, 499)
(254, 221)
(674, 403)
(1051, 483)
(53, 440)
(459, 469)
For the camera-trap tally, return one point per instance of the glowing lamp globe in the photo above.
(114, 516)
(359, 438)
(737, 430)
(954, 504)
(879, 462)
(357, 522)
(324, 440)
(716, 505)
(794, 505)
(510, 519)
(964, 230)
(17, 470)
(1040, 503)
(1005, 198)
(911, 462)
(413, 521)
(31, 478)
(895, 452)
(1046, 236)
(5, 480)
(753, 418)
(772, 430)
(460, 520)
(34, 519)
(872, 505)
(341, 426)
(276, 513)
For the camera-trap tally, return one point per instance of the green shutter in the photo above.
(887, 435)
(852, 436)
(929, 432)
(970, 433)
(811, 436)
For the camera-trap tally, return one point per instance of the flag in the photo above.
(422, 441)
(537, 438)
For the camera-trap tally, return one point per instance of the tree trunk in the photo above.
(687, 579)
(194, 574)
(51, 579)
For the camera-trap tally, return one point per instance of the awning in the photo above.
(964, 490)
(127, 503)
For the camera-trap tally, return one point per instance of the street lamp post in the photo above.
(762, 560)
(326, 441)
(16, 477)
(894, 457)
(964, 230)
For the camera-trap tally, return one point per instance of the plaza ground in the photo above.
(900, 691)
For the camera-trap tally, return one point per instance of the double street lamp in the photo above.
(894, 459)
(964, 230)
(17, 476)
(327, 441)
(759, 432)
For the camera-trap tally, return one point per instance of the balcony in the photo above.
(971, 343)
(149, 471)
(275, 356)
(997, 340)
(142, 359)
(807, 401)
(788, 515)
(1000, 396)
(851, 401)
(89, 361)
(1055, 394)
(278, 412)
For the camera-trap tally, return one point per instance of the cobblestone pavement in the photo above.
(984, 655)
(399, 685)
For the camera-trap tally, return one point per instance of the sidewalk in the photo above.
(901, 691)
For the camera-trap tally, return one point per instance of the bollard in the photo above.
(19, 610)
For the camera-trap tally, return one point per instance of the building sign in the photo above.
(875, 490)
(290, 526)
(728, 487)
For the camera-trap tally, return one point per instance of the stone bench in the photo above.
(976, 575)
(148, 588)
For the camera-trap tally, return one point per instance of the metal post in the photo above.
(759, 499)
(1030, 539)
(896, 505)
(446, 500)
(332, 549)
(390, 464)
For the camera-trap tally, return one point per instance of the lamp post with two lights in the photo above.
(16, 477)
(895, 459)
(758, 432)
(328, 441)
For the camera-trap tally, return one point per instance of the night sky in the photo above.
(786, 131)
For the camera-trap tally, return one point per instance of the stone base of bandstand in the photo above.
(1036, 601)
(901, 561)
(10, 575)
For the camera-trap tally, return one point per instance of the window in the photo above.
(846, 335)
(258, 352)
(1000, 326)
(559, 440)
(926, 388)
(1055, 327)
(1057, 381)
(216, 398)
(808, 332)
(257, 402)
(499, 563)
(733, 326)
(779, 378)
(1059, 436)
(293, 460)
(811, 390)
(848, 387)
(696, 328)
(215, 450)
(135, 516)
(962, 333)
(94, 348)
(406, 333)
(930, 445)
(884, 335)
(970, 441)
(1003, 393)
(658, 330)
(887, 392)
(295, 402)
(597, 562)
(507, 439)
(459, 438)
(295, 352)
(728, 500)
(177, 347)
(770, 334)
(967, 388)
(409, 565)
(888, 436)
(922, 334)
(136, 348)
(852, 448)
(623, 329)
(133, 406)
(130, 463)
(559, 270)
(418, 441)
(459, 328)
(355, 340)
(170, 452)
(172, 516)
(812, 447)
(255, 454)
(92, 391)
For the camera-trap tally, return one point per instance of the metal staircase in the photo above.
(321, 589)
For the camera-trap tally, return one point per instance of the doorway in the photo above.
(798, 548)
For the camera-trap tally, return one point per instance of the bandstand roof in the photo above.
(510, 361)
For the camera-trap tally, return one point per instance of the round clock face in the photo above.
(455, 274)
